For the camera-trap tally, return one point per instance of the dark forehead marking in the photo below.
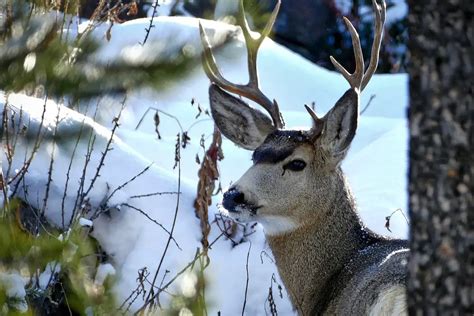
(278, 146)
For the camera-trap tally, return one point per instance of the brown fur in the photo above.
(326, 235)
(308, 257)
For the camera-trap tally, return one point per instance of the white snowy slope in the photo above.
(376, 165)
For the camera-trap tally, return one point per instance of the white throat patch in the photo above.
(275, 225)
(391, 301)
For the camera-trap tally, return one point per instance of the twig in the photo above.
(63, 199)
(107, 147)
(198, 122)
(171, 232)
(161, 284)
(150, 26)
(50, 168)
(120, 187)
(164, 276)
(154, 221)
(12, 143)
(234, 231)
(80, 189)
(142, 275)
(163, 288)
(90, 147)
(26, 165)
(66, 300)
(5, 206)
(4, 132)
(3, 181)
(94, 22)
(162, 112)
(271, 299)
(263, 252)
(247, 280)
(388, 218)
(201, 285)
(367, 105)
(152, 194)
(34, 211)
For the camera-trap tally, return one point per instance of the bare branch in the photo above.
(107, 147)
(247, 279)
(21, 174)
(154, 221)
(372, 97)
(139, 196)
(120, 187)
(150, 298)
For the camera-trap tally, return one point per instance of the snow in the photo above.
(103, 271)
(376, 164)
(84, 222)
(169, 36)
(225, 8)
(48, 275)
(14, 286)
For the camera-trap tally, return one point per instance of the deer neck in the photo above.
(311, 255)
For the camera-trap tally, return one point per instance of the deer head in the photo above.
(295, 174)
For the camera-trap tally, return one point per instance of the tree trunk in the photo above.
(441, 175)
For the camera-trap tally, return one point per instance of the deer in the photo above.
(329, 262)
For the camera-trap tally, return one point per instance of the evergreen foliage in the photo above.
(38, 52)
(41, 53)
(59, 268)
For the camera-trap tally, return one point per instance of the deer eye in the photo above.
(295, 165)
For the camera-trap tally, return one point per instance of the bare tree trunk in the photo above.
(441, 176)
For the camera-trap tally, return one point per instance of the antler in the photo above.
(358, 80)
(251, 89)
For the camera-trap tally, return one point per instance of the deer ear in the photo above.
(340, 125)
(243, 125)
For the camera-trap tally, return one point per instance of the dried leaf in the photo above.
(208, 174)
(387, 223)
(177, 151)
(185, 139)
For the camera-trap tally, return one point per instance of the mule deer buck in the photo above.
(329, 262)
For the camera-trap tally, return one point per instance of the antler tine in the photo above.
(354, 79)
(209, 62)
(374, 54)
(358, 80)
(318, 123)
(253, 44)
(251, 89)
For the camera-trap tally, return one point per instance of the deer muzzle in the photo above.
(232, 199)
(235, 201)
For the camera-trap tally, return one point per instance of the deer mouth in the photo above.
(235, 203)
(241, 213)
(251, 209)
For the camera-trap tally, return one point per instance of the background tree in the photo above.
(441, 175)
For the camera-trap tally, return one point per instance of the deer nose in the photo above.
(232, 198)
